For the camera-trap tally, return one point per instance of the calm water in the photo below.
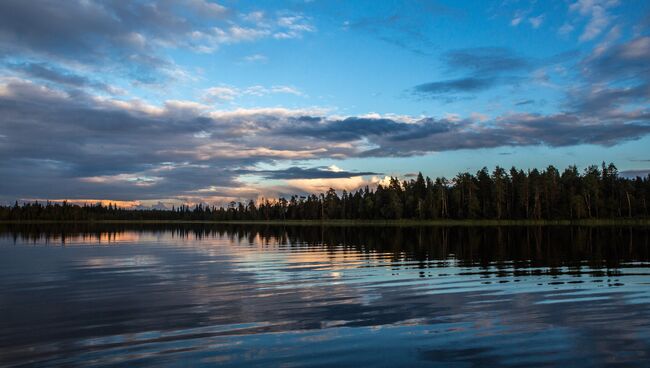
(312, 296)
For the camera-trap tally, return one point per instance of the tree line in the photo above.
(597, 192)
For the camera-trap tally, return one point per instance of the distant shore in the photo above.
(478, 222)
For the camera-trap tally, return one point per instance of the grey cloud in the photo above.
(568, 129)
(481, 69)
(85, 29)
(486, 60)
(398, 31)
(123, 36)
(402, 24)
(394, 138)
(42, 71)
(373, 129)
(469, 84)
(348, 129)
(599, 99)
(45, 72)
(614, 77)
(515, 130)
(63, 140)
(626, 60)
(94, 33)
(58, 28)
(524, 102)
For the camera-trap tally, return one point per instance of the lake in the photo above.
(235, 295)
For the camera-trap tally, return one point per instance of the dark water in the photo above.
(312, 296)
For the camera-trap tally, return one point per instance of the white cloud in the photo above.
(255, 27)
(220, 94)
(255, 58)
(239, 34)
(597, 12)
(479, 116)
(285, 89)
(453, 117)
(241, 113)
(537, 21)
(229, 93)
(293, 26)
(256, 16)
(565, 29)
(520, 16)
(516, 20)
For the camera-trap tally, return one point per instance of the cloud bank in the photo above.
(90, 145)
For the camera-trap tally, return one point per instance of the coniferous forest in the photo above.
(596, 193)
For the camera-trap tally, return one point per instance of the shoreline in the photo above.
(395, 223)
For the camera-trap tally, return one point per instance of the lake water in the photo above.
(324, 296)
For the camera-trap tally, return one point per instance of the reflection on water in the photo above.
(303, 296)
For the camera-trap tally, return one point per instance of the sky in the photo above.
(159, 103)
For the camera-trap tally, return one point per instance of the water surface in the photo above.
(317, 296)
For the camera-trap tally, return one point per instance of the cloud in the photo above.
(522, 15)
(565, 29)
(310, 186)
(258, 90)
(485, 60)
(616, 79)
(604, 100)
(206, 8)
(308, 173)
(405, 25)
(524, 102)
(483, 68)
(293, 26)
(128, 37)
(537, 21)
(45, 72)
(357, 128)
(255, 58)
(229, 93)
(469, 84)
(624, 60)
(518, 18)
(91, 146)
(220, 93)
(597, 12)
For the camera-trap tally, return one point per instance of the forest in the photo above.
(599, 192)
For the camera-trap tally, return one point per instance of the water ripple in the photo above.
(295, 297)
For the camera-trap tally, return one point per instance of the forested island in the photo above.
(596, 193)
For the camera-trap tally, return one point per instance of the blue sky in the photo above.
(198, 101)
